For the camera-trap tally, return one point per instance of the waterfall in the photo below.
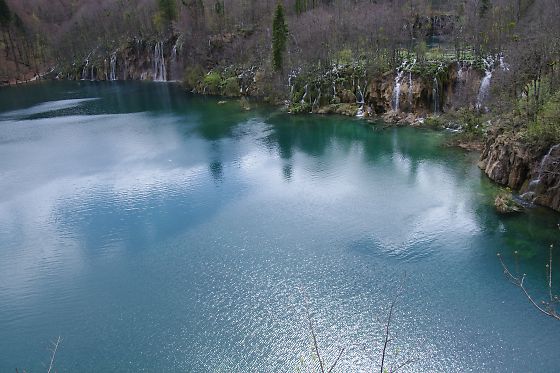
(503, 65)
(84, 70)
(460, 72)
(404, 67)
(304, 95)
(435, 94)
(397, 89)
(362, 102)
(316, 101)
(92, 76)
(113, 74)
(160, 73)
(410, 91)
(530, 194)
(485, 84)
(175, 70)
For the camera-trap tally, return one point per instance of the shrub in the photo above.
(212, 82)
(545, 130)
(193, 76)
(230, 87)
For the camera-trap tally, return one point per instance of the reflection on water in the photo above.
(157, 231)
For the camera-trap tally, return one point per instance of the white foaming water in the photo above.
(530, 194)
(435, 94)
(113, 74)
(484, 89)
(160, 72)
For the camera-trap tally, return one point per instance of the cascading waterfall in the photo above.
(316, 101)
(160, 73)
(503, 65)
(485, 84)
(404, 67)
(175, 70)
(304, 94)
(397, 89)
(84, 69)
(530, 194)
(92, 73)
(410, 91)
(113, 74)
(435, 94)
(460, 72)
(361, 102)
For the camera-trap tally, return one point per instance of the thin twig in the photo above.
(387, 335)
(54, 349)
(402, 365)
(519, 282)
(313, 335)
(336, 361)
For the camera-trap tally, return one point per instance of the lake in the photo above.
(155, 230)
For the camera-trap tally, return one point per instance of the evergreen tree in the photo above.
(5, 14)
(300, 6)
(279, 37)
(484, 7)
(167, 11)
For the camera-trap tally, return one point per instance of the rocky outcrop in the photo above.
(533, 172)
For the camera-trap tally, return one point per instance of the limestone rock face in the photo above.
(505, 160)
(535, 173)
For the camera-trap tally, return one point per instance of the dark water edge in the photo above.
(159, 231)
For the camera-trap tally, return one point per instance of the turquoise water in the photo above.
(157, 231)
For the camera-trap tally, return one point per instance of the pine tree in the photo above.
(167, 11)
(279, 37)
(5, 14)
(300, 7)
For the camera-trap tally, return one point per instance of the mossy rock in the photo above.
(505, 204)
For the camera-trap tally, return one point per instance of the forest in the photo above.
(221, 43)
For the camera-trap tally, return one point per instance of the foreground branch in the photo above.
(546, 307)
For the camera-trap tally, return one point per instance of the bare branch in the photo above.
(313, 335)
(547, 308)
(387, 335)
(402, 365)
(53, 350)
(336, 361)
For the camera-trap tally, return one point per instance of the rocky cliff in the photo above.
(534, 172)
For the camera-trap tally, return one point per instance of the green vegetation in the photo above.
(544, 131)
(167, 13)
(279, 37)
(212, 82)
(193, 75)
